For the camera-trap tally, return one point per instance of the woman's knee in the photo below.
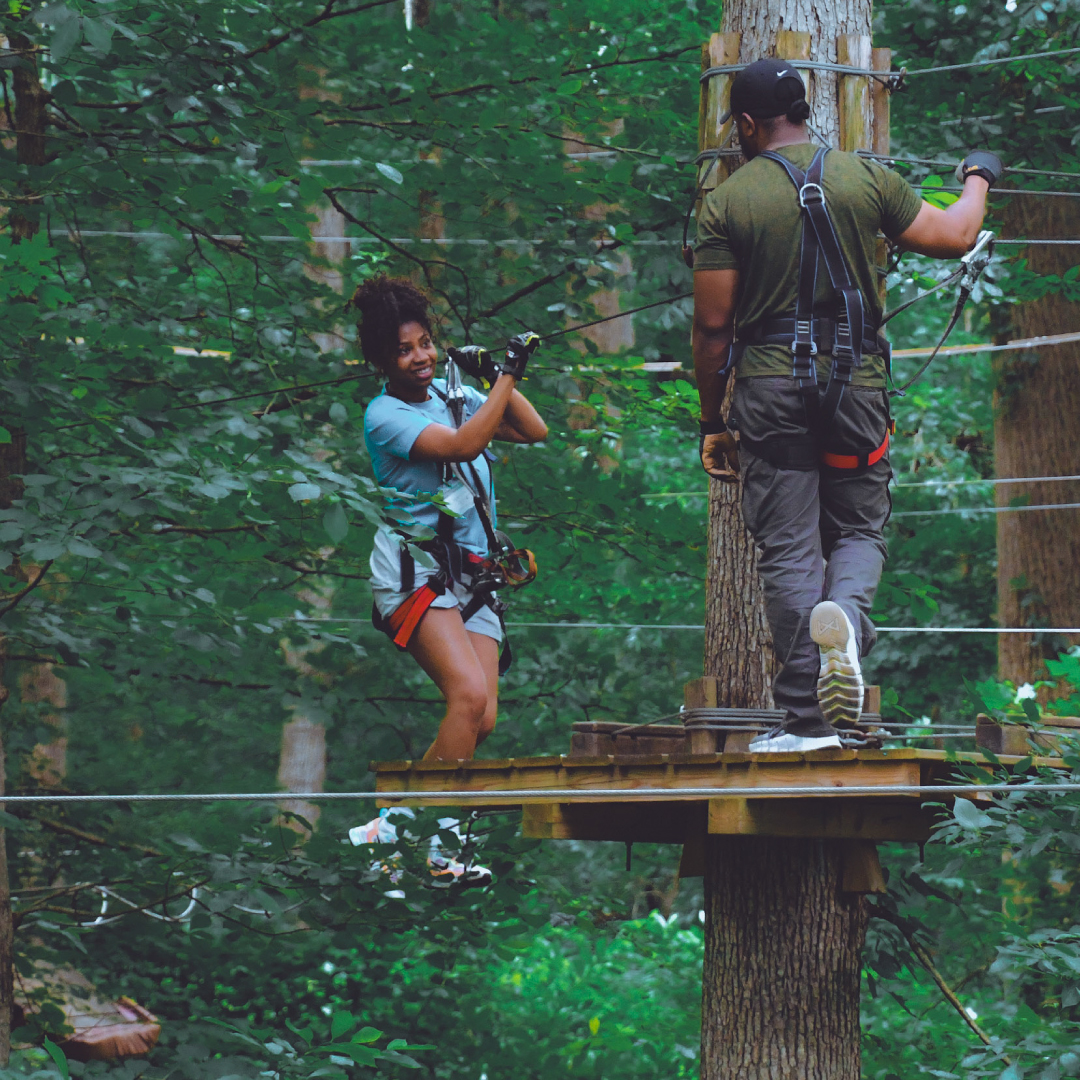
(469, 695)
(487, 721)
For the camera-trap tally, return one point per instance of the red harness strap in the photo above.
(856, 461)
(406, 617)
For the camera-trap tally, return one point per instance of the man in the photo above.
(785, 295)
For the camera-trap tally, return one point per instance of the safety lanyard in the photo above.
(482, 499)
(819, 236)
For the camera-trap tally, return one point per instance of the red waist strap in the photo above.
(856, 461)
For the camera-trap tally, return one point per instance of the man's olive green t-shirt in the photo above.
(752, 223)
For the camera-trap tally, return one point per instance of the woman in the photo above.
(420, 448)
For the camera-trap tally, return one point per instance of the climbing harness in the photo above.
(972, 267)
(838, 327)
(504, 567)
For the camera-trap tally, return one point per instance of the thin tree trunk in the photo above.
(1037, 433)
(782, 942)
(30, 124)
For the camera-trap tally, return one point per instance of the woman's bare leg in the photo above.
(487, 652)
(445, 650)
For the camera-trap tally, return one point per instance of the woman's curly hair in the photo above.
(384, 305)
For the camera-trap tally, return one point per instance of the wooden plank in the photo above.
(863, 818)
(862, 869)
(652, 823)
(605, 779)
(855, 125)
(722, 49)
(880, 101)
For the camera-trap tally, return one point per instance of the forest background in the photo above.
(185, 489)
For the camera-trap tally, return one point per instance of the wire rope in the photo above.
(551, 794)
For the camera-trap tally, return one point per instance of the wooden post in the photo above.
(854, 104)
(783, 927)
(715, 95)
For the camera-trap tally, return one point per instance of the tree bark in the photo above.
(31, 120)
(1037, 433)
(789, 942)
(781, 974)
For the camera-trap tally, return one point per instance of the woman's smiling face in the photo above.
(413, 368)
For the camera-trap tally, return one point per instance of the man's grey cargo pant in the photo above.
(818, 532)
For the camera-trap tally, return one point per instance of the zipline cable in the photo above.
(892, 78)
(986, 510)
(951, 165)
(552, 794)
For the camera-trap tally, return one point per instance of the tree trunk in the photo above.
(1037, 433)
(782, 949)
(782, 943)
(30, 124)
(302, 767)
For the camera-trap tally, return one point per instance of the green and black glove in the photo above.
(980, 163)
(518, 350)
(475, 361)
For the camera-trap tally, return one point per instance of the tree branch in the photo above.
(327, 12)
(29, 589)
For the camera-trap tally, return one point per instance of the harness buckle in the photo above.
(804, 194)
(804, 344)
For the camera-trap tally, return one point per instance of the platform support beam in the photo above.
(783, 930)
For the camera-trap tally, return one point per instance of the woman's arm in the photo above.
(437, 442)
(521, 422)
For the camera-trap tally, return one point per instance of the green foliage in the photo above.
(197, 515)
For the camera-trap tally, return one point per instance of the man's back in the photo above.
(752, 223)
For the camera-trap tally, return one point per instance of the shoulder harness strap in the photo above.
(818, 234)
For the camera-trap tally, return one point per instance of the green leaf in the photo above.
(67, 35)
(341, 1023)
(571, 86)
(304, 492)
(5, 435)
(367, 1035)
(336, 523)
(58, 1059)
(969, 815)
(390, 172)
(98, 34)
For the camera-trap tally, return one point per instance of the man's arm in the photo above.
(948, 234)
(716, 294)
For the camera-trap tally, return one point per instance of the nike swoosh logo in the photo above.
(781, 74)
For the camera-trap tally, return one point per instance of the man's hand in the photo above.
(981, 163)
(720, 457)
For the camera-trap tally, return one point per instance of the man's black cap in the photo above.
(766, 88)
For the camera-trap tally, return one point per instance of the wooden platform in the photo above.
(677, 812)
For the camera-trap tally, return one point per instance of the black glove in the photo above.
(980, 163)
(475, 361)
(518, 350)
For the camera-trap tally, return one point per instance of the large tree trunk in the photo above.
(785, 943)
(1037, 433)
(782, 943)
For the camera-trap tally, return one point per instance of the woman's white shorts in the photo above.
(386, 587)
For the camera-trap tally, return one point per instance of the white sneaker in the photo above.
(840, 681)
(779, 741)
(446, 872)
